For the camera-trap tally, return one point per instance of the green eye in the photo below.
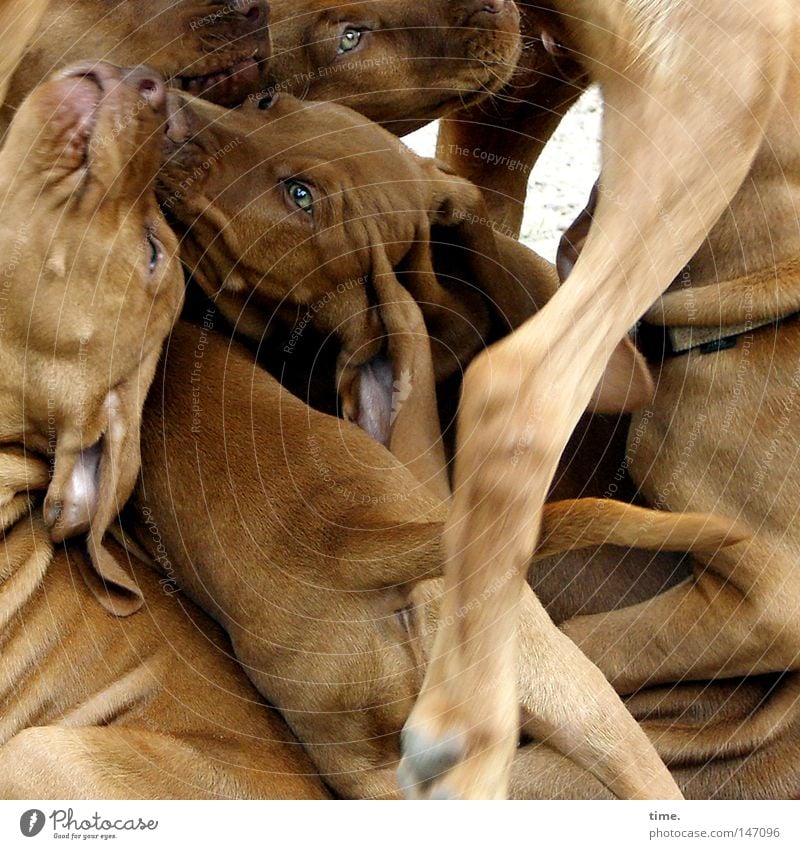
(350, 40)
(301, 195)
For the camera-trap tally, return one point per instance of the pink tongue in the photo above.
(229, 88)
(375, 386)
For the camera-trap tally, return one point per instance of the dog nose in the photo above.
(149, 84)
(493, 7)
(255, 12)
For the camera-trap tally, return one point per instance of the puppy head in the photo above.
(401, 64)
(92, 285)
(309, 210)
(213, 49)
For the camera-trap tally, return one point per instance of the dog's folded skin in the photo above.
(147, 707)
(92, 705)
(206, 47)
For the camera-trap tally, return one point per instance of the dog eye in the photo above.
(301, 195)
(155, 252)
(351, 38)
(405, 618)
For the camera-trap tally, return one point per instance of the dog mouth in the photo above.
(228, 86)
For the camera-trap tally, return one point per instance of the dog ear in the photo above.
(90, 487)
(495, 282)
(110, 582)
(626, 384)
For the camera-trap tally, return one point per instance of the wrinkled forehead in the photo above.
(334, 140)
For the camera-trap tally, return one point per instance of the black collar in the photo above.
(658, 343)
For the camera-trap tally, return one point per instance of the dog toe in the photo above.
(425, 759)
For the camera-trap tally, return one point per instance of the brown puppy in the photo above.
(312, 545)
(214, 49)
(287, 235)
(81, 344)
(149, 707)
(399, 64)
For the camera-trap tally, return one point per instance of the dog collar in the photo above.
(658, 343)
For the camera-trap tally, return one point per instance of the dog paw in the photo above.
(451, 760)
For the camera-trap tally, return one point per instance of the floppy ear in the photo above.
(494, 283)
(626, 384)
(457, 287)
(89, 489)
(112, 585)
(393, 395)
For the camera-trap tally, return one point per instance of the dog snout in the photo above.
(101, 73)
(149, 84)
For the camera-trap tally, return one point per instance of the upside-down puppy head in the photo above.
(399, 63)
(290, 209)
(212, 48)
(92, 287)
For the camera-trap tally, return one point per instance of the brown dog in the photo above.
(510, 131)
(312, 546)
(214, 49)
(257, 229)
(93, 705)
